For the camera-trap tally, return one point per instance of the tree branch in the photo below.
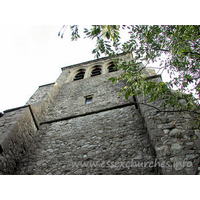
(153, 49)
(192, 111)
(186, 52)
(160, 49)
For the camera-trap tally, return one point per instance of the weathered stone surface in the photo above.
(191, 170)
(179, 138)
(70, 101)
(197, 142)
(163, 151)
(197, 132)
(15, 137)
(108, 136)
(176, 146)
(174, 132)
(80, 152)
(166, 131)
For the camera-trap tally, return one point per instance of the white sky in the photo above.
(34, 55)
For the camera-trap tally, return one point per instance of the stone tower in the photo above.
(80, 125)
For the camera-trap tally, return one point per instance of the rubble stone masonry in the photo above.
(56, 132)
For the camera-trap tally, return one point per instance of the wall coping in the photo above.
(91, 61)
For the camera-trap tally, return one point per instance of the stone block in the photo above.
(162, 151)
(197, 132)
(191, 170)
(197, 143)
(174, 132)
(176, 146)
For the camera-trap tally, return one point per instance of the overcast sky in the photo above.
(32, 56)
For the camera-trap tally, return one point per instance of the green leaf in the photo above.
(175, 47)
(127, 94)
(112, 79)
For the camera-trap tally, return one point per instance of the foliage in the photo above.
(74, 35)
(175, 47)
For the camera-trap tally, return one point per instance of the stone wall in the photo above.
(109, 142)
(107, 136)
(108, 132)
(42, 100)
(40, 94)
(17, 129)
(173, 136)
(69, 72)
(19, 126)
(70, 101)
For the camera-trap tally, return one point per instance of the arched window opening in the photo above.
(111, 68)
(79, 75)
(96, 71)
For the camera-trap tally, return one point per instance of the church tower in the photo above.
(80, 125)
